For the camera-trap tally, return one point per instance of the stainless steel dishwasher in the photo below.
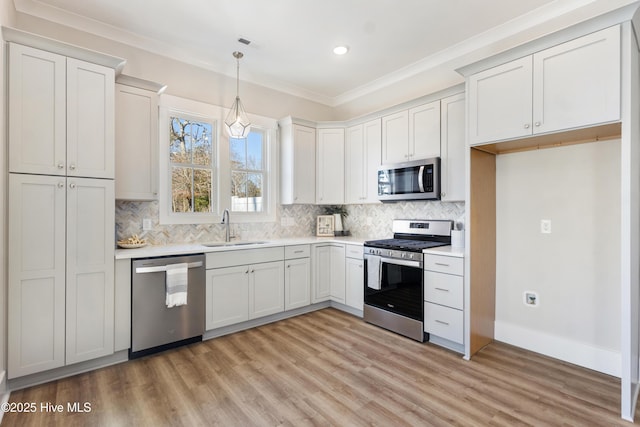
(154, 326)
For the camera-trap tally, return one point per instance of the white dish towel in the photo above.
(177, 284)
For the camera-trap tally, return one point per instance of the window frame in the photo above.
(196, 111)
(169, 106)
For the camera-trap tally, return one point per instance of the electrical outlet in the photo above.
(531, 299)
(146, 224)
(545, 226)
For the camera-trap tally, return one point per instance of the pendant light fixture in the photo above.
(237, 123)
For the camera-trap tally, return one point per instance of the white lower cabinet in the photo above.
(227, 295)
(266, 289)
(328, 273)
(243, 291)
(297, 277)
(354, 273)
(444, 300)
(61, 272)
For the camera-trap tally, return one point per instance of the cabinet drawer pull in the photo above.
(442, 322)
(246, 272)
(298, 252)
(72, 185)
(442, 289)
(72, 167)
(442, 264)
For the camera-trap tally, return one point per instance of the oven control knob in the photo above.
(411, 256)
(403, 255)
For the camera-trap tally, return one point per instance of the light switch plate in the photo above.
(545, 226)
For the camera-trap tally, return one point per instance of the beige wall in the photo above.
(576, 269)
(182, 79)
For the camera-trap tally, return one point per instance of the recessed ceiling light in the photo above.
(340, 50)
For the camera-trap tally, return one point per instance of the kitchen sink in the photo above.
(226, 244)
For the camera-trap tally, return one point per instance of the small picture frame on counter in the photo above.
(325, 226)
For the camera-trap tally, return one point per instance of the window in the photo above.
(247, 172)
(191, 159)
(202, 172)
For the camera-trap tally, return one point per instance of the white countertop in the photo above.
(196, 248)
(446, 250)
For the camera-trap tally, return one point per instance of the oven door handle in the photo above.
(403, 262)
(421, 179)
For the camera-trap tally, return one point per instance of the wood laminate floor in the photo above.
(329, 368)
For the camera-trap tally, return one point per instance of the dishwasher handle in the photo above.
(162, 268)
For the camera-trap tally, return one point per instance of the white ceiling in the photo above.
(292, 40)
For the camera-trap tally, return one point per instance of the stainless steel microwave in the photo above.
(414, 180)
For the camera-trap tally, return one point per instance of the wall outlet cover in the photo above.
(531, 299)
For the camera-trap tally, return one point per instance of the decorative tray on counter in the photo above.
(132, 242)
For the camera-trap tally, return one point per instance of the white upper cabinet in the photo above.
(577, 83)
(452, 162)
(61, 119)
(298, 163)
(362, 159)
(424, 131)
(330, 167)
(136, 143)
(411, 134)
(395, 137)
(572, 85)
(90, 120)
(37, 116)
(500, 102)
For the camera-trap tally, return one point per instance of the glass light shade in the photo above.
(237, 123)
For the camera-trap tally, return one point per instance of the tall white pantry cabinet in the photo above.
(61, 210)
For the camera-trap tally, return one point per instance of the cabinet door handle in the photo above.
(72, 167)
(61, 185)
(537, 124)
(72, 185)
(526, 126)
(289, 266)
(442, 322)
(60, 165)
(442, 289)
(246, 272)
(253, 271)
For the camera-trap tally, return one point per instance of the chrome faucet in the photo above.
(225, 221)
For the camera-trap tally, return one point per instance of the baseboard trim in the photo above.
(581, 354)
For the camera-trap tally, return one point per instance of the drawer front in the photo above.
(354, 251)
(297, 251)
(244, 257)
(445, 322)
(444, 289)
(444, 264)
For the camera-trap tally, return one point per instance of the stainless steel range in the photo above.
(393, 284)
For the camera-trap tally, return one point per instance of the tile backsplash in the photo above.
(365, 221)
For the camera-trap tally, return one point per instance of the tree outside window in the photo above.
(247, 172)
(191, 159)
